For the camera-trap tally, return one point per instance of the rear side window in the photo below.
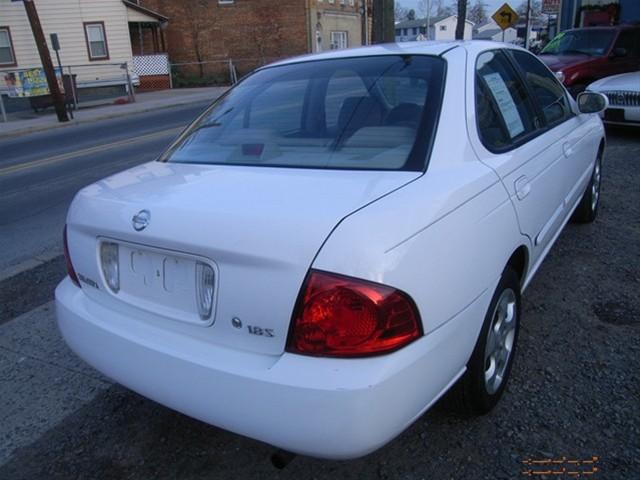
(630, 41)
(546, 89)
(503, 110)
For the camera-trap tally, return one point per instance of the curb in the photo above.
(28, 264)
(106, 116)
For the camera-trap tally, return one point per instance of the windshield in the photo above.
(586, 42)
(355, 113)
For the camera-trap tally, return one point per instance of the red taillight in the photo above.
(70, 271)
(340, 316)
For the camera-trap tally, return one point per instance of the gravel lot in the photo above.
(574, 390)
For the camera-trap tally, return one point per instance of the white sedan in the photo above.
(623, 92)
(335, 243)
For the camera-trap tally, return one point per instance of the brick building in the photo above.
(205, 34)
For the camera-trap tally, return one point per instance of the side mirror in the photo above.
(618, 52)
(592, 102)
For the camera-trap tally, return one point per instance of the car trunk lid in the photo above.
(259, 228)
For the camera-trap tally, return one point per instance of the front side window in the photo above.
(351, 113)
(546, 89)
(7, 56)
(96, 41)
(504, 111)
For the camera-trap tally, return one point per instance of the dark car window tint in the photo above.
(504, 112)
(343, 85)
(546, 89)
(348, 113)
(289, 95)
(630, 41)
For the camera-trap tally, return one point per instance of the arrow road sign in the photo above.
(505, 17)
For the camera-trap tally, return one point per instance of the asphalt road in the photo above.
(574, 394)
(41, 172)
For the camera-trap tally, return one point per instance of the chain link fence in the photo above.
(221, 72)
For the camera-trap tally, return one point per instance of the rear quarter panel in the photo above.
(445, 238)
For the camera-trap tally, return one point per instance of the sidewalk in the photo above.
(145, 102)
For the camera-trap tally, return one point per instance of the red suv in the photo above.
(583, 55)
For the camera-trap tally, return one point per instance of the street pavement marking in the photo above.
(79, 153)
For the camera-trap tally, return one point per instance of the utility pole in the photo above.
(383, 21)
(528, 26)
(428, 18)
(45, 58)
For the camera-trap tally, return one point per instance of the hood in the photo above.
(624, 81)
(558, 62)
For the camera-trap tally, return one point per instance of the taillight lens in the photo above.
(339, 316)
(110, 261)
(70, 270)
(205, 283)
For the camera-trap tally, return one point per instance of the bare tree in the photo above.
(477, 13)
(462, 17)
(441, 8)
(199, 25)
(536, 9)
(400, 12)
(427, 8)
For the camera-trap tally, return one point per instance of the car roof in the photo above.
(435, 48)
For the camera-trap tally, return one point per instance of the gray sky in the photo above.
(490, 5)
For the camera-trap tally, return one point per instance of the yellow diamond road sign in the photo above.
(505, 16)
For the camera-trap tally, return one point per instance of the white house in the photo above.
(440, 28)
(97, 37)
(445, 29)
(490, 30)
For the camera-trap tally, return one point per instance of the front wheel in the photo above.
(482, 385)
(587, 209)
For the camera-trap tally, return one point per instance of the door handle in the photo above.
(522, 186)
(567, 149)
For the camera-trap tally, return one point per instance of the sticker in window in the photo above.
(505, 102)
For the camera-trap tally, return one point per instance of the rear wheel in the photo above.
(587, 209)
(482, 385)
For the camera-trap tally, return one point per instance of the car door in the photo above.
(573, 130)
(511, 137)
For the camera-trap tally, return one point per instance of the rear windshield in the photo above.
(353, 113)
(585, 42)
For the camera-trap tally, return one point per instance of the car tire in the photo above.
(587, 209)
(488, 369)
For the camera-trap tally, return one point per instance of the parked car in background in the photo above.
(582, 55)
(623, 92)
(335, 242)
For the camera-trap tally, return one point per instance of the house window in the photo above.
(339, 40)
(96, 41)
(443, 28)
(7, 56)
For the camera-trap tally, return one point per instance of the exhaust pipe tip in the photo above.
(281, 458)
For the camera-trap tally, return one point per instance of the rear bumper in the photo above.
(331, 408)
